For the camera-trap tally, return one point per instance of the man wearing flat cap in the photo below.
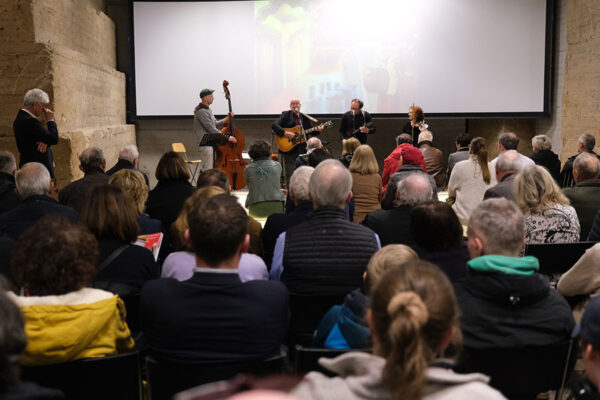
(205, 122)
(588, 331)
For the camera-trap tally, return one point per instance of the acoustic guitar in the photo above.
(286, 144)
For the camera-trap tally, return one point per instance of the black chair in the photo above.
(111, 377)
(305, 314)
(521, 373)
(557, 258)
(307, 358)
(133, 318)
(167, 378)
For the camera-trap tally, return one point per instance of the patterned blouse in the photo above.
(557, 224)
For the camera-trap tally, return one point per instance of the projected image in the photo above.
(327, 52)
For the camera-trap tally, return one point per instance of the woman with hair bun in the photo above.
(413, 318)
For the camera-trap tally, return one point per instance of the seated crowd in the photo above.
(401, 276)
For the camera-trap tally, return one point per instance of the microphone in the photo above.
(352, 111)
(297, 110)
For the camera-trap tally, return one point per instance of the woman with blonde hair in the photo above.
(180, 264)
(470, 179)
(413, 319)
(132, 182)
(549, 217)
(348, 148)
(366, 182)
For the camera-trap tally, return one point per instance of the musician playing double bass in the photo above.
(205, 122)
(356, 123)
(290, 119)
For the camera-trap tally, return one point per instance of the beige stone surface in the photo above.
(16, 21)
(581, 96)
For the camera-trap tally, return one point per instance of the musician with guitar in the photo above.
(292, 128)
(356, 123)
(205, 122)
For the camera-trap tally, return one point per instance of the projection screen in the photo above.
(452, 57)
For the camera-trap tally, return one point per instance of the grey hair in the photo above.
(35, 96)
(425, 136)
(7, 162)
(403, 138)
(587, 166)
(91, 157)
(587, 141)
(509, 141)
(541, 142)
(330, 184)
(314, 143)
(501, 225)
(509, 161)
(32, 179)
(129, 153)
(413, 190)
(299, 182)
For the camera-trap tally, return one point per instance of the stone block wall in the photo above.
(68, 49)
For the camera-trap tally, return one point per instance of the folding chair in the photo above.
(180, 148)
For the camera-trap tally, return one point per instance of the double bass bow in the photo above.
(229, 156)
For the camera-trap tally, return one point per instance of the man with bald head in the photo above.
(327, 254)
(290, 119)
(585, 195)
(507, 168)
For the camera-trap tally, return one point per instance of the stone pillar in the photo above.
(67, 48)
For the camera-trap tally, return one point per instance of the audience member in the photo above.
(394, 160)
(123, 267)
(303, 209)
(33, 140)
(12, 344)
(311, 144)
(131, 182)
(327, 254)
(505, 302)
(438, 235)
(548, 216)
(92, 164)
(65, 320)
(413, 317)
(462, 152)
(344, 326)
(588, 332)
(469, 181)
(318, 155)
(348, 147)
(366, 182)
(434, 158)
(213, 317)
(411, 164)
(510, 141)
(33, 185)
(507, 167)
(166, 199)
(180, 264)
(585, 144)
(544, 156)
(585, 195)
(8, 194)
(128, 159)
(583, 278)
(393, 226)
(216, 177)
(263, 177)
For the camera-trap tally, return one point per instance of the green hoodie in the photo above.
(505, 265)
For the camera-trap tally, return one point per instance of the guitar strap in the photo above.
(309, 117)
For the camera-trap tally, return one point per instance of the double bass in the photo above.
(229, 156)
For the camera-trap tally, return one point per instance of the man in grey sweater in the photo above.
(205, 122)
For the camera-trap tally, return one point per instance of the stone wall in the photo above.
(68, 49)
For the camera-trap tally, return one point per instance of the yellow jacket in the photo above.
(81, 324)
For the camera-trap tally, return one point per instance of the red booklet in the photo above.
(152, 242)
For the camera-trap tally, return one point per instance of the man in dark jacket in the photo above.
(8, 195)
(128, 159)
(33, 185)
(507, 168)
(33, 140)
(434, 158)
(585, 144)
(92, 164)
(461, 153)
(505, 302)
(585, 195)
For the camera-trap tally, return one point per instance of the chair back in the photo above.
(167, 378)
(179, 148)
(557, 258)
(111, 377)
(305, 314)
(521, 373)
(306, 359)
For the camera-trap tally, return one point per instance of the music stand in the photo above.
(213, 139)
